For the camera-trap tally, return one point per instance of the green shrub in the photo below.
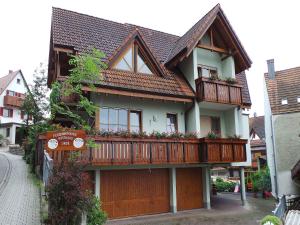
(95, 216)
(224, 186)
(270, 218)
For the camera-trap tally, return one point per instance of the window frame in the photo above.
(128, 111)
(209, 68)
(18, 81)
(10, 113)
(136, 51)
(176, 123)
(284, 101)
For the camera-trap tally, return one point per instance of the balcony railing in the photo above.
(218, 91)
(145, 151)
(223, 150)
(13, 101)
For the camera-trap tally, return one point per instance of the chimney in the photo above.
(10, 71)
(271, 68)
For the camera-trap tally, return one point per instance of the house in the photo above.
(13, 88)
(161, 82)
(257, 142)
(282, 119)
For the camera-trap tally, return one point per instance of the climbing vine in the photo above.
(85, 72)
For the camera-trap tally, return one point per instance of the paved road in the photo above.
(226, 210)
(19, 196)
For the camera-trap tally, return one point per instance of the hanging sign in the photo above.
(65, 140)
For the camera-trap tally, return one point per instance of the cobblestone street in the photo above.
(19, 196)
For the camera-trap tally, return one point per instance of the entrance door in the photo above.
(127, 193)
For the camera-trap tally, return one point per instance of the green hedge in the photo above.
(224, 186)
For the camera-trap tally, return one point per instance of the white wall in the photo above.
(269, 139)
(153, 112)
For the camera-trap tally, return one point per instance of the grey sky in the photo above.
(267, 29)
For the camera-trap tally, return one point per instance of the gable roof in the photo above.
(257, 125)
(185, 44)
(286, 84)
(79, 32)
(6, 80)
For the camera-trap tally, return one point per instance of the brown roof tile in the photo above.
(257, 124)
(5, 81)
(285, 85)
(79, 31)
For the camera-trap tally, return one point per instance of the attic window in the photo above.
(18, 81)
(207, 71)
(298, 99)
(284, 101)
(133, 60)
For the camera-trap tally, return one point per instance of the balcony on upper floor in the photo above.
(129, 151)
(13, 101)
(216, 91)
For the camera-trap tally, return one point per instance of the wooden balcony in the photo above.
(223, 150)
(145, 151)
(215, 91)
(13, 101)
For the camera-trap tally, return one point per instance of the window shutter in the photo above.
(11, 113)
(30, 117)
(22, 115)
(1, 111)
(7, 92)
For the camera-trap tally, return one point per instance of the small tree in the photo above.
(86, 71)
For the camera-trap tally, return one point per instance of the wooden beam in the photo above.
(57, 49)
(137, 95)
(214, 49)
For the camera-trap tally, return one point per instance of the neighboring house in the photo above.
(257, 142)
(157, 81)
(13, 88)
(282, 127)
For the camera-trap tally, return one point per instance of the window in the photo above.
(298, 99)
(134, 60)
(206, 71)
(7, 112)
(171, 123)
(7, 132)
(135, 121)
(284, 101)
(10, 93)
(216, 125)
(18, 81)
(112, 119)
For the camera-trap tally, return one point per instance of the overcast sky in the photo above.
(267, 29)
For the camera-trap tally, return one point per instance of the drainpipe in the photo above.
(274, 157)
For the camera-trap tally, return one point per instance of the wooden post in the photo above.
(97, 119)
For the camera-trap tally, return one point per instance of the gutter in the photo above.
(274, 157)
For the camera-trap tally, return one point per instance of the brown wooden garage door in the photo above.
(134, 192)
(189, 188)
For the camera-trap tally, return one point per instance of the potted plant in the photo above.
(230, 80)
(212, 135)
(255, 188)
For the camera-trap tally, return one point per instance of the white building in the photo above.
(282, 127)
(13, 88)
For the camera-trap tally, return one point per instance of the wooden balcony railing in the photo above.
(13, 101)
(223, 150)
(145, 151)
(125, 151)
(218, 91)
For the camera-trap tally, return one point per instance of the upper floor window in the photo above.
(133, 60)
(298, 99)
(207, 71)
(112, 119)
(284, 101)
(18, 81)
(7, 112)
(172, 123)
(10, 93)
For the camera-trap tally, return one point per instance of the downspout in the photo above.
(274, 157)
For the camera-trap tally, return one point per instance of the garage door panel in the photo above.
(134, 192)
(189, 188)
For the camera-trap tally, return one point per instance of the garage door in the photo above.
(127, 193)
(189, 188)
